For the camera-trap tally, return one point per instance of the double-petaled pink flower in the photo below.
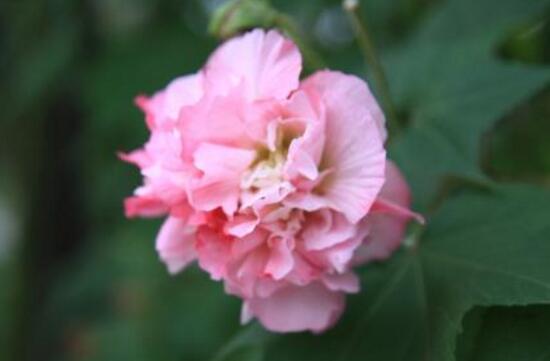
(277, 187)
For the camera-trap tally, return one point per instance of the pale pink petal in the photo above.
(176, 244)
(226, 120)
(280, 261)
(265, 63)
(241, 225)
(382, 205)
(305, 151)
(266, 286)
(354, 148)
(324, 229)
(214, 159)
(293, 309)
(306, 201)
(213, 193)
(220, 184)
(389, 219)
(340, 256)
(244, 274)
(347, 282)
(243, 245)
(183, 91)
(266, 196)
(163, 108)
(138, 157)
(304, 271)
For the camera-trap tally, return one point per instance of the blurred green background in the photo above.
(78, 280)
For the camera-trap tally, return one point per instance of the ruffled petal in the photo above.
(213, 251)
(281, 260)
(389, 218)
(325, 229)
(162, 109)
(347, 282)
(293, 309)
(265, 63)
(219, 186)
(354, 149)
(176, 244)
(136, 206)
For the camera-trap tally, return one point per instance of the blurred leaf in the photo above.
(140, 65)
(40, 49)
(511, 333)
(122, 303)
(245, 346)
(518, 148)
(481, 249)
(452, 88)
(117, 302)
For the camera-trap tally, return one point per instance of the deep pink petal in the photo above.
(144, 207)
(213, 251)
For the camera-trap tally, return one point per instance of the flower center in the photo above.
(265, 172)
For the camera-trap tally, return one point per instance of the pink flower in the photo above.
(276, 187)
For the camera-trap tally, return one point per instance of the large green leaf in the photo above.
(480, 249)
(449, 83)
(513, 333)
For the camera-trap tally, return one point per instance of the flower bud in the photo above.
(236, 16)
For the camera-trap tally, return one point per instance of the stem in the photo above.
(414, 233)
(312, 58)
(373, 62)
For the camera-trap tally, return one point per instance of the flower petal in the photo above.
(354, 148)
(280, 261)
(347, 282)
(176, 244)
(265, 63)
(213, 251)
(292, 309)
(325, 229)
(219, 186)
(144, 207)
(163, 108)
(389, 218)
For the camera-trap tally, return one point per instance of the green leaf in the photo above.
(518, 148)
(451, 86)
(509, 334)
(120, 302)
(245, 346)
(480, 249)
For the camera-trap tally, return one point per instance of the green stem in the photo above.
(414, 233)
(373, 62)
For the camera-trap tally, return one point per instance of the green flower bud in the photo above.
(236, 16)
